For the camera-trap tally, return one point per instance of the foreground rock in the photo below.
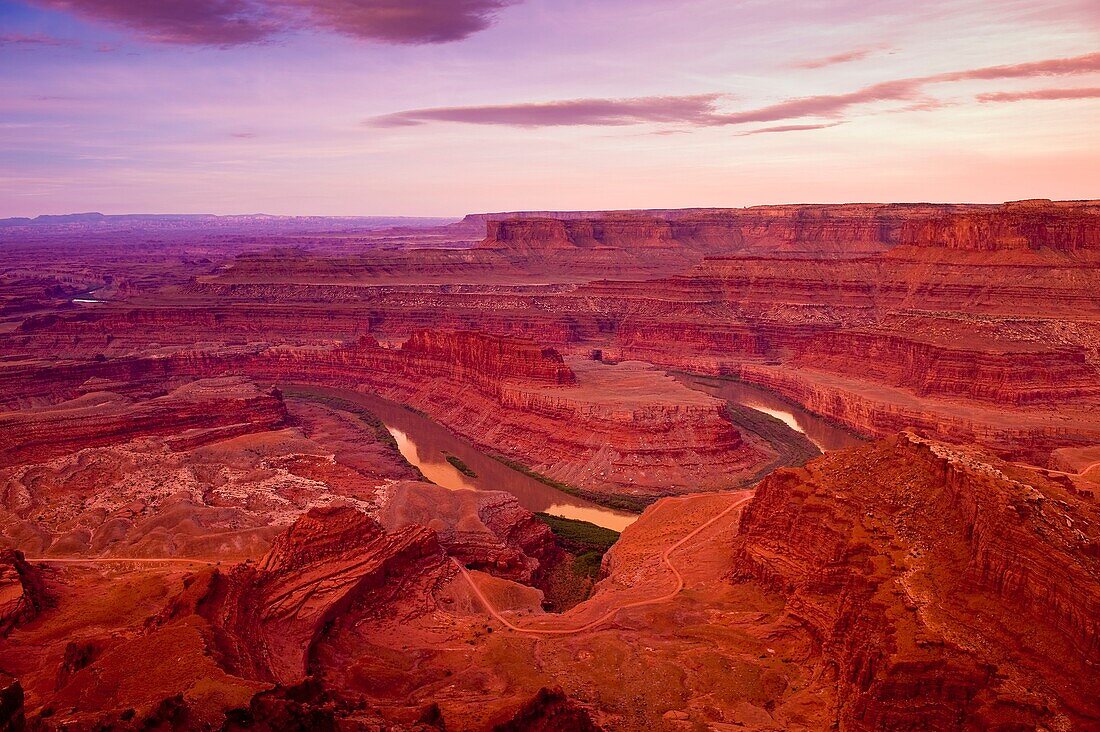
(946, 588)
(12, 717)
(22, 591)
(269, 617)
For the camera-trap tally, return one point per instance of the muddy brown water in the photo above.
(825, 435)
(426, 444)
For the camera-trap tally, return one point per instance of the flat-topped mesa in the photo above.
(1000, 373)
(490, 357)
(1023, 225)
(839, 229)
(547, 235)
(943, 584)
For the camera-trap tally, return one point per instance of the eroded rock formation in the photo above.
(22, 591)
(940, 583)
(269, 617)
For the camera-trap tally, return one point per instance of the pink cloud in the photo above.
(237, 22)
(1049, 67)
(697, 109)
(403, 21)
(701, 110)
(33, 39)
(827, 104)
(790, 128)
(837, 58)
(1089, 93)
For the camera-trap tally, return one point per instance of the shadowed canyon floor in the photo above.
(776, 468)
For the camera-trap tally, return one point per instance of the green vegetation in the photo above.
(620, 503)
(781, 397)
(579, 536)
(588, 565)
(794, 448)
(461, 466)
(586, 542)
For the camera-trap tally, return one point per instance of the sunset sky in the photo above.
(442, 107)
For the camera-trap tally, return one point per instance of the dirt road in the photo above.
(665, 557)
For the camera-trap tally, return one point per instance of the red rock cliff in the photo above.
(942, 584)
(268, 618)
(1062, 226)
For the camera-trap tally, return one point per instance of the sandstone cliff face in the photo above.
(622, 429)
(488, 360)
(1023, 225)
(485, 530)
(872, 409)
(268, 618)
(940, 583)
(1063, 227)
(1008, 373)
(214, 409)
(546, 236)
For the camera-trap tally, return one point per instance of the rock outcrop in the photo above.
(22, 591)
(12, 716)
(268, 618)
(550, 710)
(485, 530)
(946, 589)
(202, 411)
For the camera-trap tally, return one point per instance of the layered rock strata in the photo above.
(945, 588)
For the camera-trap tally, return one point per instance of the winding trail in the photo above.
(1079, 474)
(610, 613)
(117, 560)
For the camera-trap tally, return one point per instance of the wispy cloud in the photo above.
(1088, 93)
(695, 109)
(790, 128)
(33, 39)
(825, 105)
(702, 110)
(844, 57)
(1049, 67)
(236, 22)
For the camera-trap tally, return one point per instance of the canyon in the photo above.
(782, 468)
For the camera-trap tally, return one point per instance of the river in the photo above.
(825, 435)
(426, 444)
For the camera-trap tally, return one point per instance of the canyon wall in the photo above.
(939, 582)
(1007, 373)
(852, 228)
(614, 430)
(269, 617)
(219, 408)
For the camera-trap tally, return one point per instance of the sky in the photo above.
(444, 107)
